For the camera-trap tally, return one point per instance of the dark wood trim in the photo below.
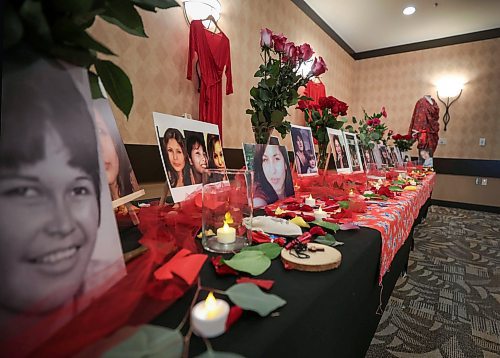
(416, 46)
(468, 167)
(467, 206)
(302, 5)
(424, 45)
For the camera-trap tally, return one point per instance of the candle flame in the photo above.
(228, 218)
(211, 305)
(225, 227)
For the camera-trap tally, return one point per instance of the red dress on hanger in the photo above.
(315, 91)
(425, 120)
(213, 55)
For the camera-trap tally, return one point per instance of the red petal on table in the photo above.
(307, 208)
(357, 206)
(259, 237)
(184, 265)
(293, 207)
(331, 220)
(269, 211)
(234, 315)
(342, 198)
(290, 200)
(308, 218)
(287, 215)
(349, 226)
(265, 284)
(344, 213)
(317, 231)
(280, 241)
(331, 208)
(221, 268)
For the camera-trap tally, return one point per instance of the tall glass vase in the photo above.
(262, 134)
(322, 155)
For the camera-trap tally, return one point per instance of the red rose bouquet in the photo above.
(321, 116)
(280, 79)
(404, 142)
(371, 129)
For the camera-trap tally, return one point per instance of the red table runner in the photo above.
(394, 219)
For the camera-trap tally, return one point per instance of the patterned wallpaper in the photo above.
(398, 81)
(157, 65)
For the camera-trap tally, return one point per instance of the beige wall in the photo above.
(157, 68)
(157, 65)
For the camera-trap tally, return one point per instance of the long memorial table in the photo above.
(331, 313)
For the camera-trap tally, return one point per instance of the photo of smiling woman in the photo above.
(53, 227)
(273, 177)
(121, 177)
(197, 153)
(176, 158)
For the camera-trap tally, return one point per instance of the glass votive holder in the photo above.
(227, 209)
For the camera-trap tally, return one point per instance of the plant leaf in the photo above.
(117, 85)
(277, 117)
(151, 4)
(124, 15)
(95, 89)
(329, 240)
(249, 297)
(31, 12)
(148, 341)
(270, 249)
(327, 225)
(254, 262)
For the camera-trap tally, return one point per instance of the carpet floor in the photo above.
(448, 305)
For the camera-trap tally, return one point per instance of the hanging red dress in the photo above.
(425, 120)
(213, 55)
(315, 91)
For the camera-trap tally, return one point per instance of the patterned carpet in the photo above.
(449, 303)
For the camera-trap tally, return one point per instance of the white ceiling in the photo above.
(373, 24)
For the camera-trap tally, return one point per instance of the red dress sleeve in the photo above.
(192, 50)
(229, 75)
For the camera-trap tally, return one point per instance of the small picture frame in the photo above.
(340, 151)
(425, 157)
(353, 150)
(384, 155)
(303, 150)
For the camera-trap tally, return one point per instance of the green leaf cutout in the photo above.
(117, 85)
(249, 297)
(329, 240)
(343, 204)
(251, 261)
(215, 354)
(395, 188)
(148, 341)
(327, 225)
(398, 182)
(270, 249)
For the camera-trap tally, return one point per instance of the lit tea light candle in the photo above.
(310, 201)
(351, 193)
(226, 234)
(208, 318)
(320, 214)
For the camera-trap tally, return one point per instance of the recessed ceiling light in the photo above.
(409, 10)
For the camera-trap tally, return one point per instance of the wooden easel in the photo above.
(125, 200)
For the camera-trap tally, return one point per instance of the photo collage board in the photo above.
(188, 147)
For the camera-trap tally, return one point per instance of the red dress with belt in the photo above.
(213, 55)
(425, 120)
(315, 91)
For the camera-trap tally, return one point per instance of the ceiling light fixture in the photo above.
(409, 10)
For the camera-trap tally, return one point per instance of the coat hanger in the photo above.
(212, 19)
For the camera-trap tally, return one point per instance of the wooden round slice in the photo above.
(328, 259)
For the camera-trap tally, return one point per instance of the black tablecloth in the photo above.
(332, 313)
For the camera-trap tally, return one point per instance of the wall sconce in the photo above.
(201, 10)
(451, 89)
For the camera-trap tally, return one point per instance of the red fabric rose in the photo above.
(369, 122)
(221, 268)
(324, 102)
(318, 67)
(266, 38)
(308, 218)
(305, 52)
(234, 315)
(279, 42)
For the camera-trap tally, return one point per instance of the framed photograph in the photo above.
(353, 150)
(399, 156)
(272, 172)
(425, 158)
(340, 151)
(385, 157)
(119, 172)
(60, 244)
(186, 148)
(367, 157)
(303, 150)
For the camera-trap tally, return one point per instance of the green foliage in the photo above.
(270, 249)
(58, 29)
(369, 132)
(249, 297)
(255, 262)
